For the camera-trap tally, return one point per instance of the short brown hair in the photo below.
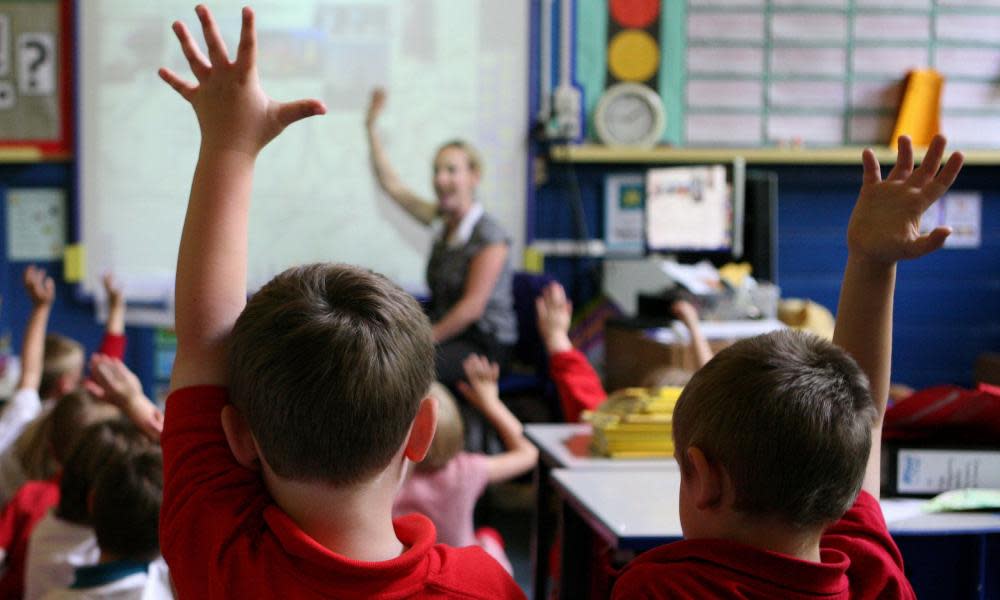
(62, 355)
(328, 364)
(471, 154)
(99, 445)
(789, 416)
(47, 441)
(449, 436)
(126, 509)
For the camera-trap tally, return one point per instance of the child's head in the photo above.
(72, 415)
(449, 436)
(99, 445)
(328, 366)
(788, 417)
(125, 511)
(45, 444)
(62, 368)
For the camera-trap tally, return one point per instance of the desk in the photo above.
(947, 555)
(566, 445)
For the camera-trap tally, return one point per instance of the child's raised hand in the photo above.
(375, 106)
(554, 314)
(885, 223)
(481, 389)
(112, 289)
(684, 310)
(233, 111)
(114, 383)
(41, 289)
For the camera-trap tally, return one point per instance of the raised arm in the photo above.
(484, 271)
(42, 292)
(122, 388)
(420, 209)
(481, 392)
(885, 228)
(237, 119)
(688, 314)
(113, 343)
(578, 385)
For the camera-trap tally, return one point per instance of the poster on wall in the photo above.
(624, 204)
(34, 76)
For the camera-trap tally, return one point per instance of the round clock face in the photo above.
(630, 114)
(629, 119)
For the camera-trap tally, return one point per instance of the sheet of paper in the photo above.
(710, 59)
(744, 27)
(806, 94)
(716, 93)
(808, 61)
(688, 208)
(879, 27)
(720, 129)
(807, 26)
(888, 61)
(36, 224)
(624, 202)
(807, 129)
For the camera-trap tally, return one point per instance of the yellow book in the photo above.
(920, 110)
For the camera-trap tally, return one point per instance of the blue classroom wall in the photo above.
(946, 304)
(71, 315)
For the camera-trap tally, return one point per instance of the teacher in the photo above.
(469, 272)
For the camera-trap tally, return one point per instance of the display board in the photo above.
(811, 72)
(452, 70)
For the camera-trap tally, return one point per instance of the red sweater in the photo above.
(18, 519)
(578, 384)
(859, 561)
(224, 537)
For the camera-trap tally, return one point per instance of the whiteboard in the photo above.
(452, 69)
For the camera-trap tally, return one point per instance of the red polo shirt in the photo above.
(223, 536)
(17, 520)
(859, 560)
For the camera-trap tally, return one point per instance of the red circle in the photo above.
(635, 13)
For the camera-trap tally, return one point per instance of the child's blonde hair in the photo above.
(62, 356)
(449, 437)
(666, 377)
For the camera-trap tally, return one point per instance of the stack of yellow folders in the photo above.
(635, 423)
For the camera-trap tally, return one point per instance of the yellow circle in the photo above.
(633, 55)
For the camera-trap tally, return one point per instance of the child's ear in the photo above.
(422, 431)
(241, 441)
(706, 479)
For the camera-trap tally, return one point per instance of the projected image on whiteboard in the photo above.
(452, 69)
(688, 208)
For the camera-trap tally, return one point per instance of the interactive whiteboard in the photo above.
(453, 69)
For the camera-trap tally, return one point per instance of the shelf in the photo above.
(851, 155)
(29, 154)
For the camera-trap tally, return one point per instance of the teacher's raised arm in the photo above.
(469, 272)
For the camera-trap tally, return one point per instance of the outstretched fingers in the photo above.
(246, 52)
(944, 178)
(182, 87)
(872, 171)
(929, 166)
(290, 112)
(904, 160)
(929, 242)
(197, 61)
(213, 39)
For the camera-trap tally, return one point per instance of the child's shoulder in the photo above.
(469, 573)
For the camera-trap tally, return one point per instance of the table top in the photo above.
(638, 509)
(567, 446)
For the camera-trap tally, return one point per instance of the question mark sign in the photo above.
(38, 61)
